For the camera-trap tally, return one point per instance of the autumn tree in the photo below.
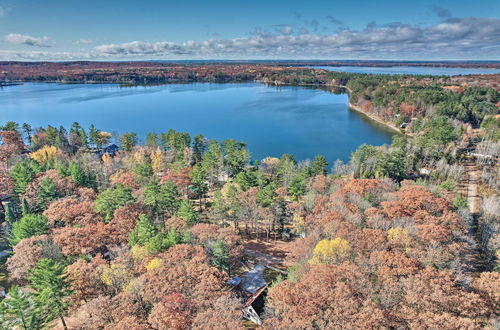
(330, 251)
(172, 312)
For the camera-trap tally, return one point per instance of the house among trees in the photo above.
(253, 299)
(254, 306)
(111, 150)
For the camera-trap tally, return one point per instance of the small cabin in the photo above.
(254, 306)
(112, 149)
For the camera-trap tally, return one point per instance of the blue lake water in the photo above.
(271, 120)
(409, 70)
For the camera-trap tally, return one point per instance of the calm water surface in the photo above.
(409, 70)
(272, 121)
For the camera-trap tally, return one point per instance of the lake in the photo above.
(271, 120)
(409, 70)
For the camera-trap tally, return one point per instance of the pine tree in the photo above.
(18, 310)
(29, 225)
(27, 130)
(198, 178)
(319, 166)
(51, 287)
(10, 216)
(187, 212)
(47, 192)
(25, 207)
(22, 174)
(220, 257)
(143, 231)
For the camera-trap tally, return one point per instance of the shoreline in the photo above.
(375, 118)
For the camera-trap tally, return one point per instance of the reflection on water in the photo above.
(271, 120)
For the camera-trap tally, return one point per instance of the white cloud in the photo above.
(469, 35)
(453, 38)
(21, 39)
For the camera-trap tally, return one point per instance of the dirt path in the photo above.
(473, 198)
(473, 261)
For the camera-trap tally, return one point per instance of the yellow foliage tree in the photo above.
(139, 252)
(154, 264)
(330, 251)
(157, 160)
(399, 235)
(115, 276)
(106, 159)
(45, 154)
(298, 222)
(140, 156)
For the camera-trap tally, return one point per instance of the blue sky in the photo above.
(271, 29)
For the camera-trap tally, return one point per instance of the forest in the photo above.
(105, 232)
(147, 236)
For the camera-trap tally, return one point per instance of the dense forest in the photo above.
(105, 232)
(148, 235)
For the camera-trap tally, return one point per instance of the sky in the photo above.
(257, 29)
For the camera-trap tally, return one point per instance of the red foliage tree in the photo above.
(71, 212)
(172, 312)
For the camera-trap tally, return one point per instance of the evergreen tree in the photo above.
(297, 187)
(319, 166)
(267, 195)
(111, 199)
(25, 207)
(18, 310)
(10, 216)
(236, 156)
(52, 288)
(247, 179)
(213, 162)
(161, 198)
(152, 140)
(22, 173)
(128, 141)
(94, 136)
(144, 230)
(10, 126)
(29, 225)
(198, 178)
(47, 192)
(199, 148)
(81, 177)
(27, 130)
(187, 212)
(220, 258)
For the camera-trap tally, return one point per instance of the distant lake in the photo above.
(271, 120)
(409, 70)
